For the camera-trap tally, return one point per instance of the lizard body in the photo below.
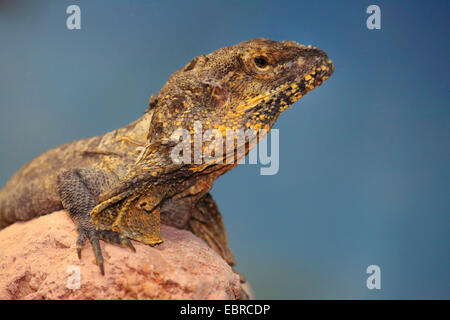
(123, 184)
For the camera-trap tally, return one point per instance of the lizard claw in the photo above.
(102, 268)
(80, 243)
(127, 243)
(93, 237)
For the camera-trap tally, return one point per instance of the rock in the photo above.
(38, 260)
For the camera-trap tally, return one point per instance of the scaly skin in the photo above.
(123, 184)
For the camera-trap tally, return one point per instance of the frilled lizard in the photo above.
(123, 184)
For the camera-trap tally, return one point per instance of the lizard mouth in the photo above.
(289, 93)
(312, 80)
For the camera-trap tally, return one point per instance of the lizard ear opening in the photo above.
(218, 96)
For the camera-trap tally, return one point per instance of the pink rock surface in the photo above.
(38, 260)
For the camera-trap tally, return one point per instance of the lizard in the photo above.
(123, 185)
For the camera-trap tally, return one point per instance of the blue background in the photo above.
(364, 159)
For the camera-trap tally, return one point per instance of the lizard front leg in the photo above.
(78, 189)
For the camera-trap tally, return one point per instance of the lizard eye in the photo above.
(261, 62)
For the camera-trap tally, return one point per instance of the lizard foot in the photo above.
(116, 238)
(94, 236)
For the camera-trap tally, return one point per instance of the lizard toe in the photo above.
(116, 238)
(94, 239)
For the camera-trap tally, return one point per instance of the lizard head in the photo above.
(245, 86)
